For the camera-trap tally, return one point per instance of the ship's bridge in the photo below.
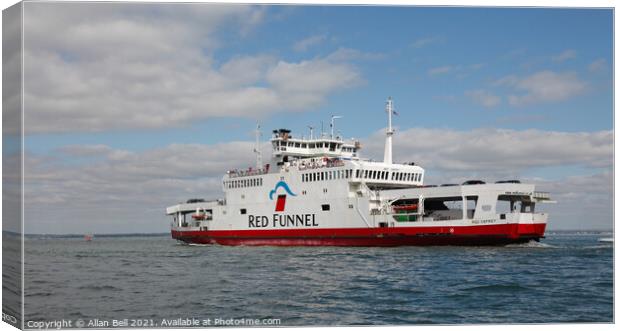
(284, 144)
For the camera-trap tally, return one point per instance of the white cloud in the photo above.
(306, 43)
(496, 150)
(439, 70)
(484, 98)
(123, 191)
(584, 202)
(598, 65)
(568, 54)
(152, 66)
(543, 86)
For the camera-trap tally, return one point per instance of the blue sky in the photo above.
(502, 41)
(135, 103)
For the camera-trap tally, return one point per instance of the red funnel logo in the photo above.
(281, 198)
(281, 202)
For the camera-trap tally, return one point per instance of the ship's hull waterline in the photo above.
(479, 235)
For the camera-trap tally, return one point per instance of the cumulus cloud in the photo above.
(568, 54)
(584, 202)
(543, 86)
(306, 43)
(123, 191)
(483, 98)
(126, 66)
(497, 150)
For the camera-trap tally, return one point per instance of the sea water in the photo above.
(567, 277)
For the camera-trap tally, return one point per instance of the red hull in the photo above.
(410, 236)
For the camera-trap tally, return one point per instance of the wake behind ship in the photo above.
(318, 191)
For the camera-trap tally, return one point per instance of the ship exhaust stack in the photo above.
(387, 156)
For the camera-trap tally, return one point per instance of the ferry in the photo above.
(318, 191)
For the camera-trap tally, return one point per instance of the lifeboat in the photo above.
(405, 208)
(201, 215)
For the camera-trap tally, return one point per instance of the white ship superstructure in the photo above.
(319, 191)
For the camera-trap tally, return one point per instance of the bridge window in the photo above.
(243, 211)
(325, 207)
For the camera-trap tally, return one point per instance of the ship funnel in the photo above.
(387, 155)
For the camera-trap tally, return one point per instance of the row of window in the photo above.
(407, 176)
(331, 146)
(326, 175)
(241, 183)
(366, 174)
(383, 175)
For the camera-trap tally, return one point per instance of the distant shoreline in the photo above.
(74, 235)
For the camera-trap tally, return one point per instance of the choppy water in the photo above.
(566, 278)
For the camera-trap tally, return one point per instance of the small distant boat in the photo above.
(88, 237)
(606, 240)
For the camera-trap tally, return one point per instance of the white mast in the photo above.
(387, 156)
(331, 125)
(311, 131)
(259, 159)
